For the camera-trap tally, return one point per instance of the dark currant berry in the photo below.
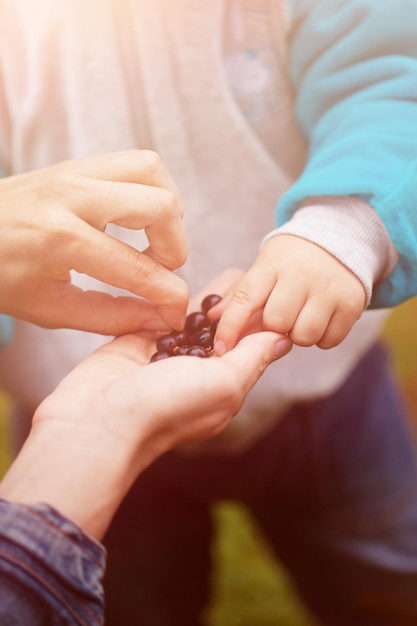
(213, 326)
(197, 337)
(204, 338)
(196, 321)
(197, 351)
(159, 356)
(209, 302)
(167, 343)
(182, 338)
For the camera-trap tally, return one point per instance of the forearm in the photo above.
(82, 474)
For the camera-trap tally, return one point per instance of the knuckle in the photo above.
(167, 209)
(351, 311)
(170, 207)
(73, 246)
(59, 233)
(303, 339)
(175, 258)
(347, 314)
(152, 166)
(148, 274)
(351, 302)
(307, 333)
(144, 268)
(55, 186)
(276, 321)
(151, 161)
(242, 297)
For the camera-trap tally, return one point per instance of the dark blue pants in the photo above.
(334, 488)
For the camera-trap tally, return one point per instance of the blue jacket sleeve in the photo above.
(50, 571)
(6, 330)
(354, 68)
(6, 322)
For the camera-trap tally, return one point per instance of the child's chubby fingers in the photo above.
(312, 323)
(338, 328)
(248, 297)
(322, 319)
(348, 299)
(327, 317)
(284, 305)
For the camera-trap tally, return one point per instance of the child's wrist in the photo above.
(350, 230)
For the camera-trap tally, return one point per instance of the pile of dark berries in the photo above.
(197, 337)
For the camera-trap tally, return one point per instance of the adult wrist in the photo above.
(83, 472)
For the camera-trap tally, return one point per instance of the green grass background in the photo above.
(251, 588)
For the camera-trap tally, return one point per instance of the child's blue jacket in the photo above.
(354, 68)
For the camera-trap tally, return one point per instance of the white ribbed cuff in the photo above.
(350, 230)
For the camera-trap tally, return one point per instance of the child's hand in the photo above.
(300, 289)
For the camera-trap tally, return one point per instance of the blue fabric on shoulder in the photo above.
(6, 330)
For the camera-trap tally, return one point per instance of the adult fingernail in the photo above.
(282, 347)
(219, 348)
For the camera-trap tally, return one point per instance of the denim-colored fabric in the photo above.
(6, 330)
(50, 571)
(333, 485)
